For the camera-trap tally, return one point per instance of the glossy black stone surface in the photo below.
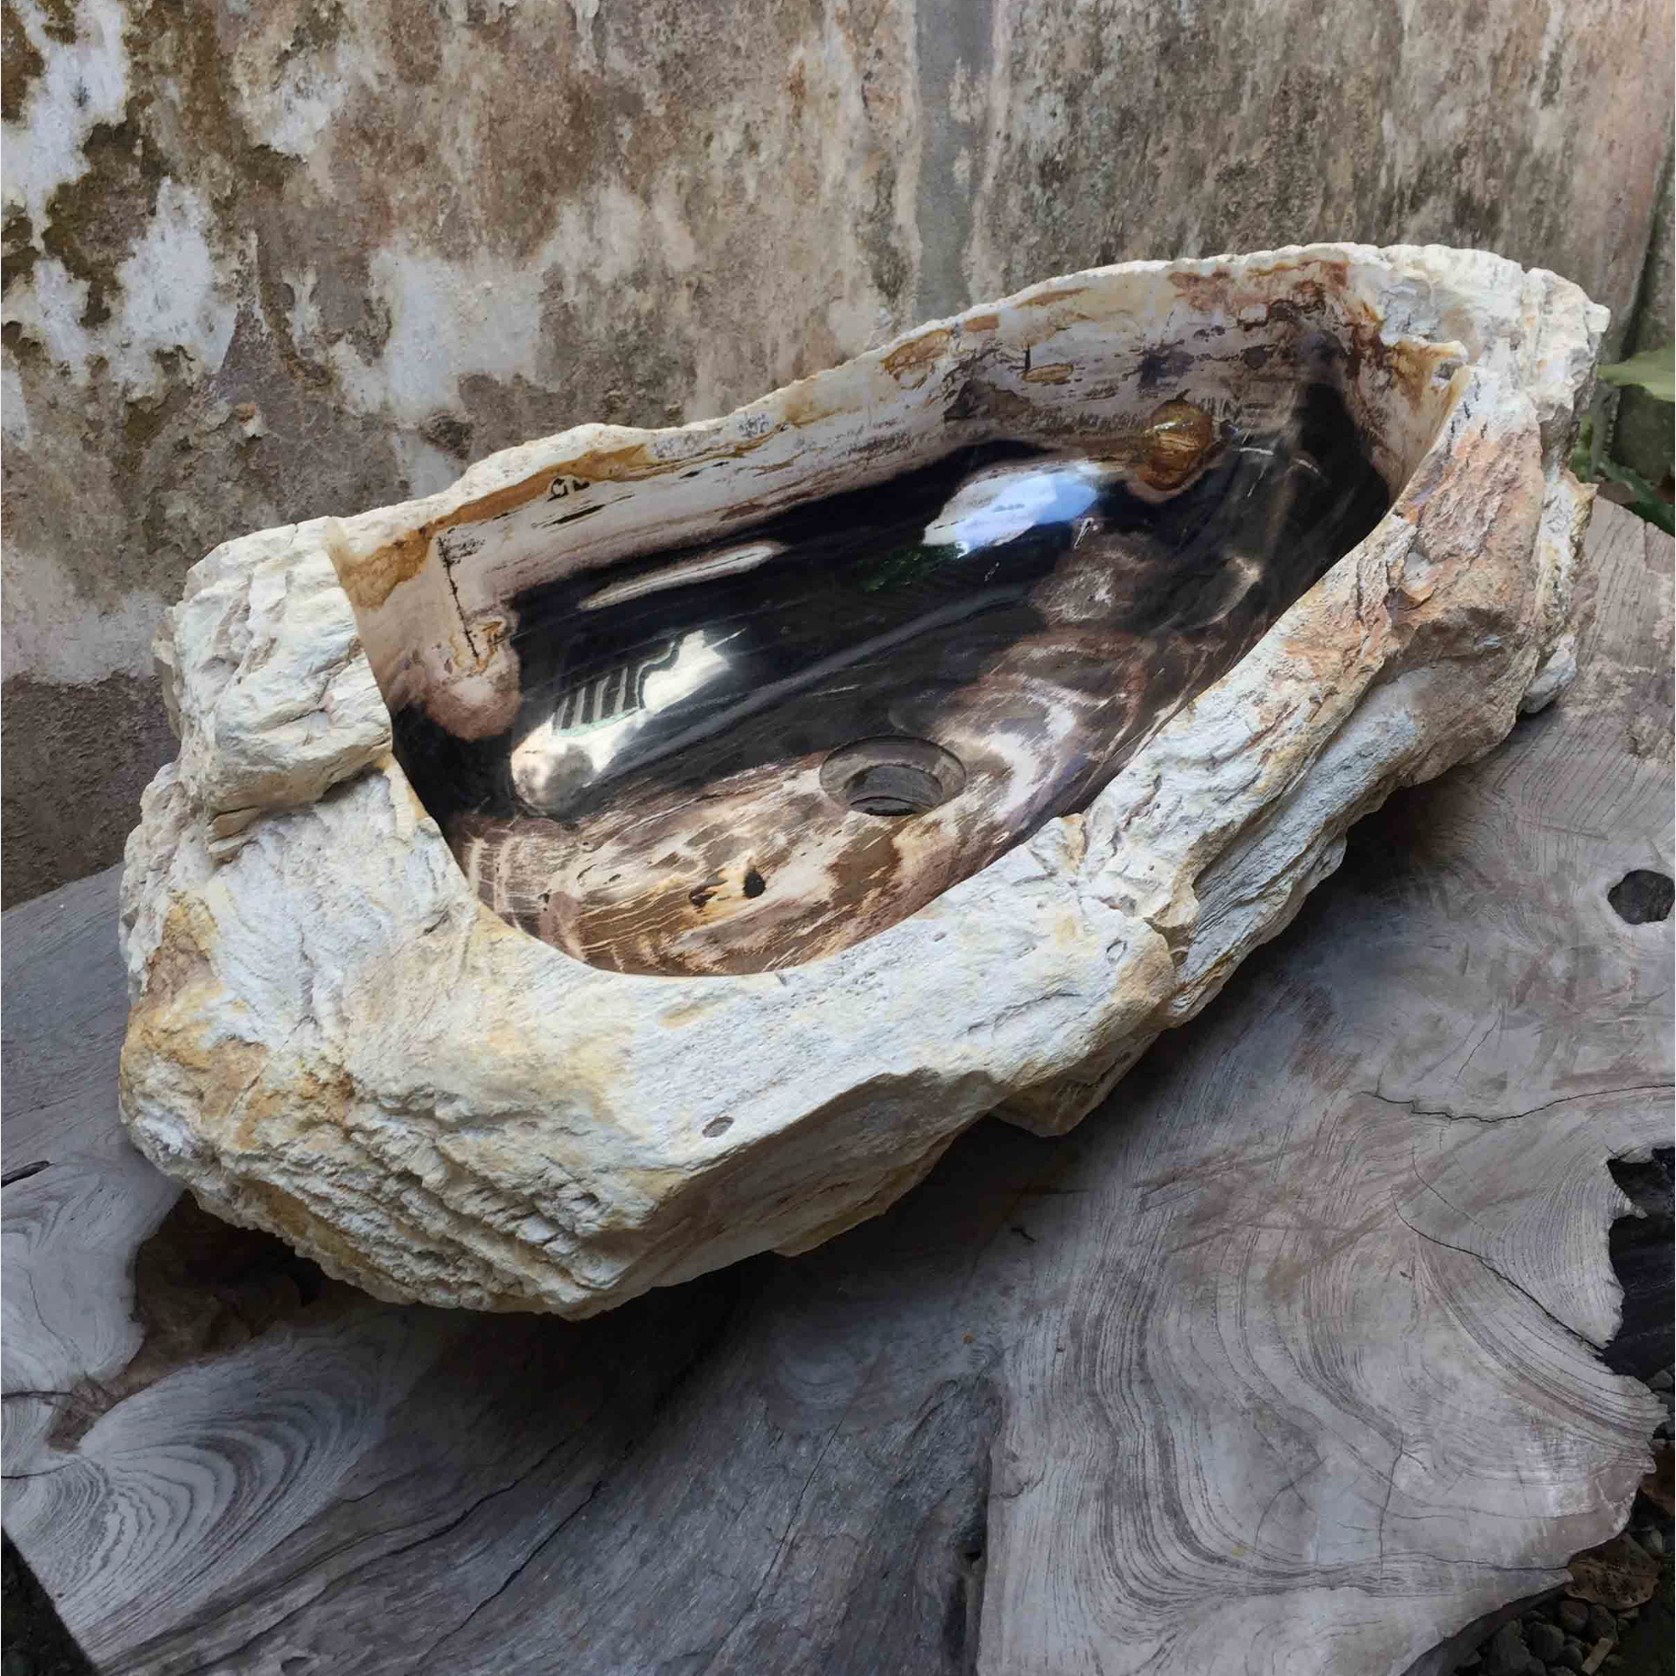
(987, 637)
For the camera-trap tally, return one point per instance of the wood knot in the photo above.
(1175, 442)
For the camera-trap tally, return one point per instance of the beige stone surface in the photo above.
(270, 263)
(332, 1039)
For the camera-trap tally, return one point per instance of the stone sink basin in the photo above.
(734, 754)
(657, 847)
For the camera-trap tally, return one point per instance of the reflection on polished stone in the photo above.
(734, 757)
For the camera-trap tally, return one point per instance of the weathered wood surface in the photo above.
(1284, 1362)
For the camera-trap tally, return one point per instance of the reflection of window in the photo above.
(615, 693)
(1005, 502)
(591, 724)
(685, 573)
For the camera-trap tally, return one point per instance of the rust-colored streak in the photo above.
(1310, 289)
(1047, 299)
(917, 354)
(165, 1023)
(1411, 365)
(370, 580)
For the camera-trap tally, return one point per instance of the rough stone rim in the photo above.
(1128, 914)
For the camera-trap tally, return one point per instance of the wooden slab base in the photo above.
(1286, 1361)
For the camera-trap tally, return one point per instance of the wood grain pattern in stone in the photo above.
(1283, 1365)
(663, 800)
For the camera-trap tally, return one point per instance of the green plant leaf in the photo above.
(1583, 453)
(1648, 502)
(1653, 370)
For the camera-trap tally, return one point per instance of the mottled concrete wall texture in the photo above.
(266, 259)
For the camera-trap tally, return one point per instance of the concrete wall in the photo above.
(273, 258)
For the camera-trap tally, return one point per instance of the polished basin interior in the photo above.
(731, 754)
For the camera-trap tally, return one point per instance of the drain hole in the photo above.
(893, 788)
(1643, 896)
(892, 777)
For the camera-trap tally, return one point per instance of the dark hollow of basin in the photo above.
(747, 754)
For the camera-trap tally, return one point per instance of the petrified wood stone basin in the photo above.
(657, 847)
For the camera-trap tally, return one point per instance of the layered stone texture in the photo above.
(335, 1039)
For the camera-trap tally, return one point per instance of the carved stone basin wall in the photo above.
(657, 847)
(763, 742)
